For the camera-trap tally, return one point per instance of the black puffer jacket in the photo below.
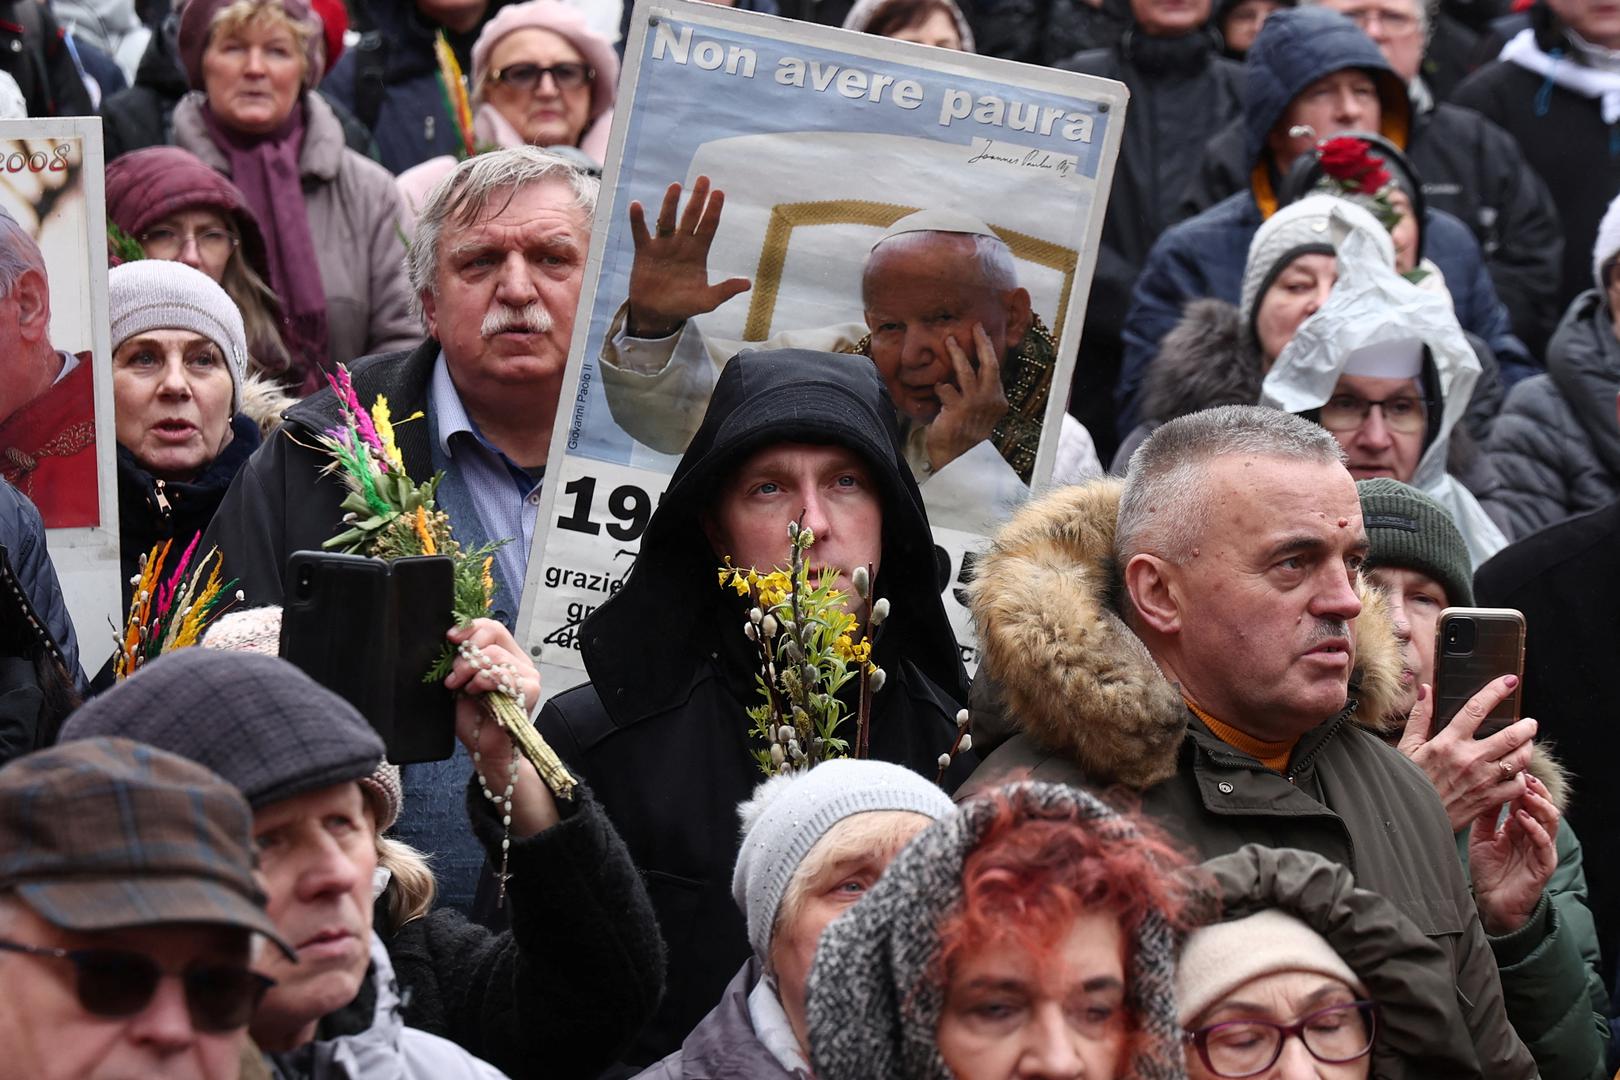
(150, 511)
(1555, 449)
(1046, 31)
(661, 732)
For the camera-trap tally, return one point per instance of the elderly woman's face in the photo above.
(1239, 1033)
(1294, 296)
(172, 397)
(1405, 233)
(837, 872)
(253, 75)
(1011, 1014)
(549, 108)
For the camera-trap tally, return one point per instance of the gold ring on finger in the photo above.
(1507, 769)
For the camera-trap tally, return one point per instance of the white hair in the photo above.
(1421, 9)
(1162, 508)
(465, 195)
(19, 253)
(992, 255)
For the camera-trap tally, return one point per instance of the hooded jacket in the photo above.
(1567, 136)
(1405, 973)
(660, 731)
(1092, 707)
(383, 1048)
(1204, 255)
(1046, 31)
(1369, 305)
(1470, 169)
(1555, 449)
(354, 210)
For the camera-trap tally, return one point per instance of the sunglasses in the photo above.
(528, 76)
(116, 983)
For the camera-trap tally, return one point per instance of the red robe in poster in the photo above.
(48, 450)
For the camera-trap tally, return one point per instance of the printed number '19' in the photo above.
(629, 504)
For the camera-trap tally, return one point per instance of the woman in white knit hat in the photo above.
(1303, 976)
(812, 845)
(179, 358)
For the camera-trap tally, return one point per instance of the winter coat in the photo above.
(1555, 450)
(724, 1045)
(1562, 136)
(369, 1040)
(1205, 256)
(1470, 169)
(40, 677)
(354, 216)
(560, 994)
(1566, 581)
(1177, 85)
(1406, 974)
(1046, 31)
(1361, 311)
(34, 52)
(151, 510)
(661, 732)
(390, 83)
(1090, 707)
(143, 115)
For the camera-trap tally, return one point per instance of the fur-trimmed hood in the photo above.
(1209, 359)
(1073, 676)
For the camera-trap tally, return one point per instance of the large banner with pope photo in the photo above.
(773, 183)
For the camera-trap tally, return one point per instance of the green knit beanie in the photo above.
(1411, 531)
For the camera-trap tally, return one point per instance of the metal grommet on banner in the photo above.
(1225, 786)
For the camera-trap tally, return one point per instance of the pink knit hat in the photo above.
(258, 630)
(566, 22)
(197, 23)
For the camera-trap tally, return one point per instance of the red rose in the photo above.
(1352, 163)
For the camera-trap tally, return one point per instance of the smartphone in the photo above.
(369, 630)
(1472, 647)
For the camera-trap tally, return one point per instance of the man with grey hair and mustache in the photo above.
(1202, 637)
(496, 268)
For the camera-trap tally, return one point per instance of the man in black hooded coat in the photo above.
(660, 731)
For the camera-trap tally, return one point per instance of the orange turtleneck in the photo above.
(1273, 755)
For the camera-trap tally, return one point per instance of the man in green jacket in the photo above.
(1540, 928)
(1198, 638)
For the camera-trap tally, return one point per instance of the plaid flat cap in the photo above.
(104, 834)
(255, 720)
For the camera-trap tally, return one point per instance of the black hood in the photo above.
(671, 603)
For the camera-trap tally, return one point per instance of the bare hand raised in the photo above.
(1511, 859)
(669, 279)
(1471, 776)
(970, 410)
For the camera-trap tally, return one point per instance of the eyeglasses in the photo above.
(1395, 23)
(528, 76)
(1405, 414)
(166, 243)
(116, 983)
(1333, 1036)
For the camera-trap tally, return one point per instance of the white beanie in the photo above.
(1607, 245)
(1309, 225)
(1220, 958)
(161, 294)
(788, 814)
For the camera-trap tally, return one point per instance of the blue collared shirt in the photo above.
(505, 496)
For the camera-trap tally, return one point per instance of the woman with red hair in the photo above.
(1033, 934)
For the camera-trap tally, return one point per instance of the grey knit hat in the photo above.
(160, 294)
(874, 997)
(1301, 228)
(255, 720)
(788, 814)
(1409, 530)
(258, 630)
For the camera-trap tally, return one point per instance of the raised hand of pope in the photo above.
(970, 410)
(669, 278)
(533, 808)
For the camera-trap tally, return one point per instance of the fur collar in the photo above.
(1207, 359)
(1069, 670)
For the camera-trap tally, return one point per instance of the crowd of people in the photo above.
(1351, 358)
